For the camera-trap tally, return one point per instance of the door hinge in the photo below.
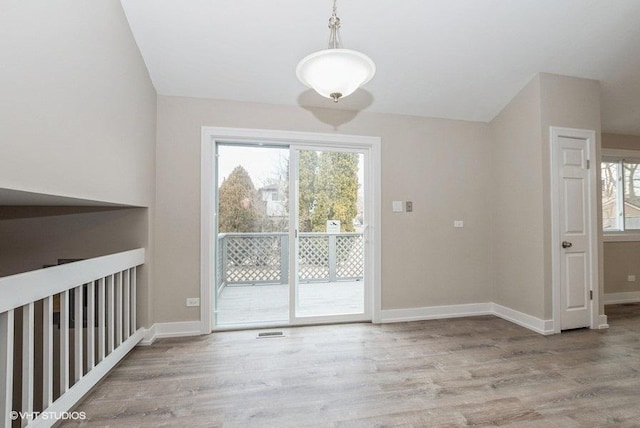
(588, 163)
(590, 294)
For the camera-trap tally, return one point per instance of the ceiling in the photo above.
(458, 59)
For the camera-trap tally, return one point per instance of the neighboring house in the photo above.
(273, 196)
(609, 212)
(632, 214)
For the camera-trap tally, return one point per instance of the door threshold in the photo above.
(246, 327)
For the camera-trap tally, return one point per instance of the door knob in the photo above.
(566, 244)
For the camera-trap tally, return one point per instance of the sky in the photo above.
(261, 163)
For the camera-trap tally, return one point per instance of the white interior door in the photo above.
(574, 237)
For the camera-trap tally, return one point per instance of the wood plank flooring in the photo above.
(479, 371)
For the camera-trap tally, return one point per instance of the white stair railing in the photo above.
(82, 315)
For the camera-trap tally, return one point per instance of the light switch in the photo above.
(631, 278)
(409, 206)
(397, 206)
(458, 223)
(193, 301)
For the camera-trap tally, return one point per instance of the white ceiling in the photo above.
(458, 59)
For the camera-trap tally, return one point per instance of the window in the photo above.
(620, 194)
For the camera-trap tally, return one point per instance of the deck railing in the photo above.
(263, 258)
(80, 317)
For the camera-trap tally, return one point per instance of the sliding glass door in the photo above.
(290, 241)
(330, 225)
(252, 242)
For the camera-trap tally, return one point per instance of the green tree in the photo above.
(336, 191)
(240, 206)
(308, 165)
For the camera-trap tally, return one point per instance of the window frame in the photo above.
(619, 156)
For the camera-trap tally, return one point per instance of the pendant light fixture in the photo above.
(335, 72)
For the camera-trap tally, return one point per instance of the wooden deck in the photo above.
(247, 304)
(478, 371)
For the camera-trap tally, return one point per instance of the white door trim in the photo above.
(210, 135)
(592, 204)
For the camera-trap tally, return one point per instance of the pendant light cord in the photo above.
(335, 40)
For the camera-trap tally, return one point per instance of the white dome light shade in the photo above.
(335, 73)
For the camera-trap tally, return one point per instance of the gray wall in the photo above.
(495, 177)
(31, 237)
(443, 166)
(35, 236)
(517, 224)
(77, 111)
(78, 119)
(620, 260)
(521, 242)
(568, 102)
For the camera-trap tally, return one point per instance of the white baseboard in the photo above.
(628, 297)
(525, 320)
(434, 312)
(170, 329)
(545, 327)
(602, 322)
(469, 310)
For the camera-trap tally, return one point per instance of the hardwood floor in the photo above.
(480, 371)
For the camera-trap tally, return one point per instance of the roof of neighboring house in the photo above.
(634, 205)
(274, 186)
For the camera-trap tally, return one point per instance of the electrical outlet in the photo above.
(631, 278)
(458, 223)
(193, 301)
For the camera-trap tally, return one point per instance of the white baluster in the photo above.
(91, 319)
(64, 341)
(110, 313)
(134, 309)
(101, 319)
(118, 327)
(78, 333)
(47, 352)
(28, 332)
(126, 305)
(6, 367)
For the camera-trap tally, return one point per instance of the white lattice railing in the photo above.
(82, 316)
(255, 258)
(263, 258)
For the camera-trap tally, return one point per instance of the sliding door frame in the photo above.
(294, 281)
(370, 146)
